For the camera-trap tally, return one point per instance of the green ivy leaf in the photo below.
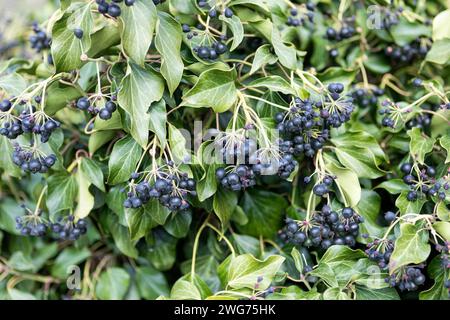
(440, 26)
(137, 25)
(178, 224)
(360, 160)
(139, 88)
(215, 88)
(85, 202)
(237, 29)
(13, 83)
(185, 290)
(66, 47)
(104, 39)
(360, 139)
(405, 206)
(224, 203)
(404, 32)
(335, 294)
(158, 119)
(393, 186)
(445, 143)
(258, 3)
(246, 244)
(151, 283)
(6, 163)
(420, 145)
(112, 284)
(439, 125)
(410, 247)
(443, 212)
(295, 293)
(338, 265)
(207, 186)
(168, 43)
(16, 294)
(98, 139)
(123, 160)
(264, 210)
(363, 293)
(369, 207)
(439, 52)
(162, 250)
(177, 142)
(62, 190)
(9, 211)
(318, 58)
(244, 270)
(286, 54)
(347, 181)
(59, 96)
(67, 258)
(263, 56)
(19, 261)
(157, 211)
(377, 63)
(91, 169)
(273, 83)
(122, 237)
(443, 228)
(438, 291)
(139, 222)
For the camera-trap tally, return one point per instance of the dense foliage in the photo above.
(227, 149)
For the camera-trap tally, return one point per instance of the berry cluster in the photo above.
(408, 279)
(32, 160)
(366, 98)
(392, 113)
(420, 121)
(248, 163)
(11, 126)
(325, 229)
(305, 127)
(210, 45)
(322, 188)
(170, 190)
(112, 9)
(421, 181)
(39, 40)
(31, 224)
(286, 165)
(407, 53)
(337, 35)
(104, 113)
(29, 121)
(69, 229)
(299, 17)
(380, 252)
(241, 177)
(38, 123)
(334, 35)
(388, 17)
(211, 52)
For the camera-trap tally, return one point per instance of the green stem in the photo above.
(195, 248)
(230, 246)
(41, 196)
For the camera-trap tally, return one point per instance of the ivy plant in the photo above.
(226, 149)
